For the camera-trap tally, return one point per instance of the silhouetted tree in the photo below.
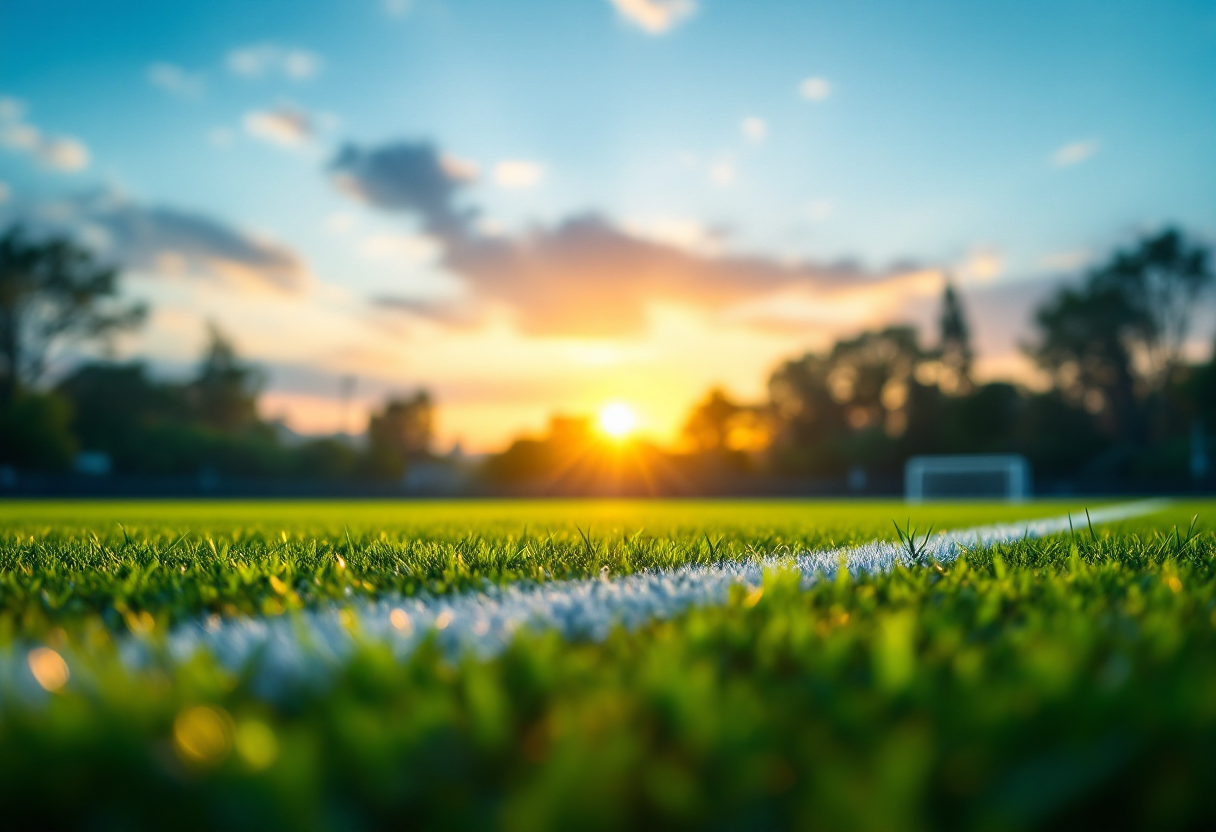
(870, 376)
(51, 291)
(954, 345)
(400, 433)
(709, 425)
(1161, 278)
(116, 405)
(1117, 339)
(35, 433)
(798, 393)
(224, 394)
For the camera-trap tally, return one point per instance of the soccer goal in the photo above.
(967, 477)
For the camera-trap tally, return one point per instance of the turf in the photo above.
(1057, 683)
(65, 562)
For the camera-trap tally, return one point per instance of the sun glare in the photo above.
(618, 420)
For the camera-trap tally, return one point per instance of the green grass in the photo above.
(1060, 683)
(65, 562)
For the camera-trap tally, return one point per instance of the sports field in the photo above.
(598, 664)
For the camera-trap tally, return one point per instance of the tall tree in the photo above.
(871, 377)
(402, 432)
(224, 395)
(954, 344)
(1162, 278)
(709, 425)
(51, 292)
(1117, 339)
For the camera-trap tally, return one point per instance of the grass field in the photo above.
(1063, 681)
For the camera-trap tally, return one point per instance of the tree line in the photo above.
(1121, 401)
(1121, 405)
(55, 294)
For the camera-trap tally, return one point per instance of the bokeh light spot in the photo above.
(49, 668)
(257, 744)
(202, 735)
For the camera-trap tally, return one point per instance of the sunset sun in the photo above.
(618, 420)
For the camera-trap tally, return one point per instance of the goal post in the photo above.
(967, 477)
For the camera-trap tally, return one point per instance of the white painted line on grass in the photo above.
(288, 649)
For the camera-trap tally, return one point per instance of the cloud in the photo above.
(1074, 154)
(59, 153)
(285, 126)
(266, 59)
(444, 312)
(1066, 261)
(518, 174)
(408, 248)
(815, 89)
(754, 129)
(396, 8)
(584, 277)
(175, 80)
(587, 277)
(982, 265)
(165, 240)
(722, 173)
(687, 235)
(11, 109)
(404, 176)
(655, 16)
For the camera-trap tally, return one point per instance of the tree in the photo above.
(852, 406)
(709, 425)
(1117, 340)
(35, 433)
(400, 433)
(954, 345)
(1083, 345)
(871, 376)
(51, 291)
(1161, 278)
(224, 395)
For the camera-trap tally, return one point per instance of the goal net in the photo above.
(967, 477)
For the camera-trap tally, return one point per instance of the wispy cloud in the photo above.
(175, 80)
(59, 153)
(518, 174)
(723, 173)
(1074, 153)
(285, 126)
(396, 8)
(754, 129)
(167, 241)
(815, 88)
(1065, 261)
(406, 248)
(983, 264)
(655, 16)
(269, 59)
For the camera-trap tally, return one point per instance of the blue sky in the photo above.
(1006, 142)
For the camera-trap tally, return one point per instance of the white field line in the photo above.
(287, 649)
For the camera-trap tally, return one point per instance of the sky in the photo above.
(548, 205)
